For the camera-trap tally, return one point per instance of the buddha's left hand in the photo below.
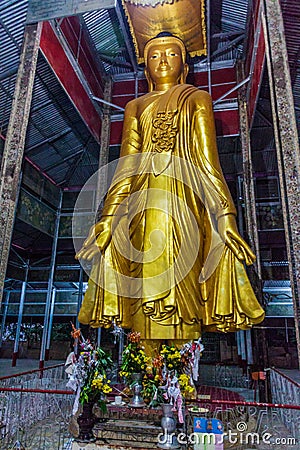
(228, 231)
(97, 240)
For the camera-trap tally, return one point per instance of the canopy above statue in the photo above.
(183, 18)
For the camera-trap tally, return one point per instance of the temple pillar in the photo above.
(250, 213)
(51, 292)
(4, 316)
(19, 323)
(248, 180)
(105, 141)
(103, 157)
(15, 143)
(286, 141)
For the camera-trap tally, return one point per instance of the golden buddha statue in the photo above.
(168, 260)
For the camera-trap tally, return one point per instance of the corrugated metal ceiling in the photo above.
(53, 114)
(234, 15)
(57, 141)
(109, 41)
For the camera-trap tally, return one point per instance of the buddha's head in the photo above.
(165, 59)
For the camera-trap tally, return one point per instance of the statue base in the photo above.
(128, 433)
(122, 435)
(124, 428)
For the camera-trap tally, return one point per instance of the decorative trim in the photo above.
(195, 48)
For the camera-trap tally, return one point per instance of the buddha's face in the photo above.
(164, 63)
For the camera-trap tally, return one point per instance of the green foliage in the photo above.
(151, 392)
(172, 357)
(90, 370)
(134, 360)
(104, 360)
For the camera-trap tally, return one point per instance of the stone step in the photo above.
(125, 426)
(127, 434)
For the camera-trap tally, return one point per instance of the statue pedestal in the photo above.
(122, 435)
(127, 433)
(125, 428)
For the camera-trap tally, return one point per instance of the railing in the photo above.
(52, 375)
(250, 423)
(35, 410)
(286, 390)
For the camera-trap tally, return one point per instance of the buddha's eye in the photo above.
(154, 56)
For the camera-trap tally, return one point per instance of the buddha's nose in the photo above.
(163, 59)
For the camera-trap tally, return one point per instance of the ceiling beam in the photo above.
(255, 60)
(49, 140)
(232, 23)
(51, 9)
(9, 73)
(38, 168)
(127, 37)
(75, 164)
(75, 76)
(226, 35)
(64, 160)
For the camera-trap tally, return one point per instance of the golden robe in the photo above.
(166, 272)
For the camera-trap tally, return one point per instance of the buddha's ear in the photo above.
(184, 74)
(149, 80)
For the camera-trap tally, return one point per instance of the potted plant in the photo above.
(133, 367)
(89, 381)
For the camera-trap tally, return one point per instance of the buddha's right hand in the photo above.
(98, 239)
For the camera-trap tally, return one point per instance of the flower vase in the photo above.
(137, 387)
(86, 422)
(168, 424)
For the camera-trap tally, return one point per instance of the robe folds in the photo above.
(166, 272)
